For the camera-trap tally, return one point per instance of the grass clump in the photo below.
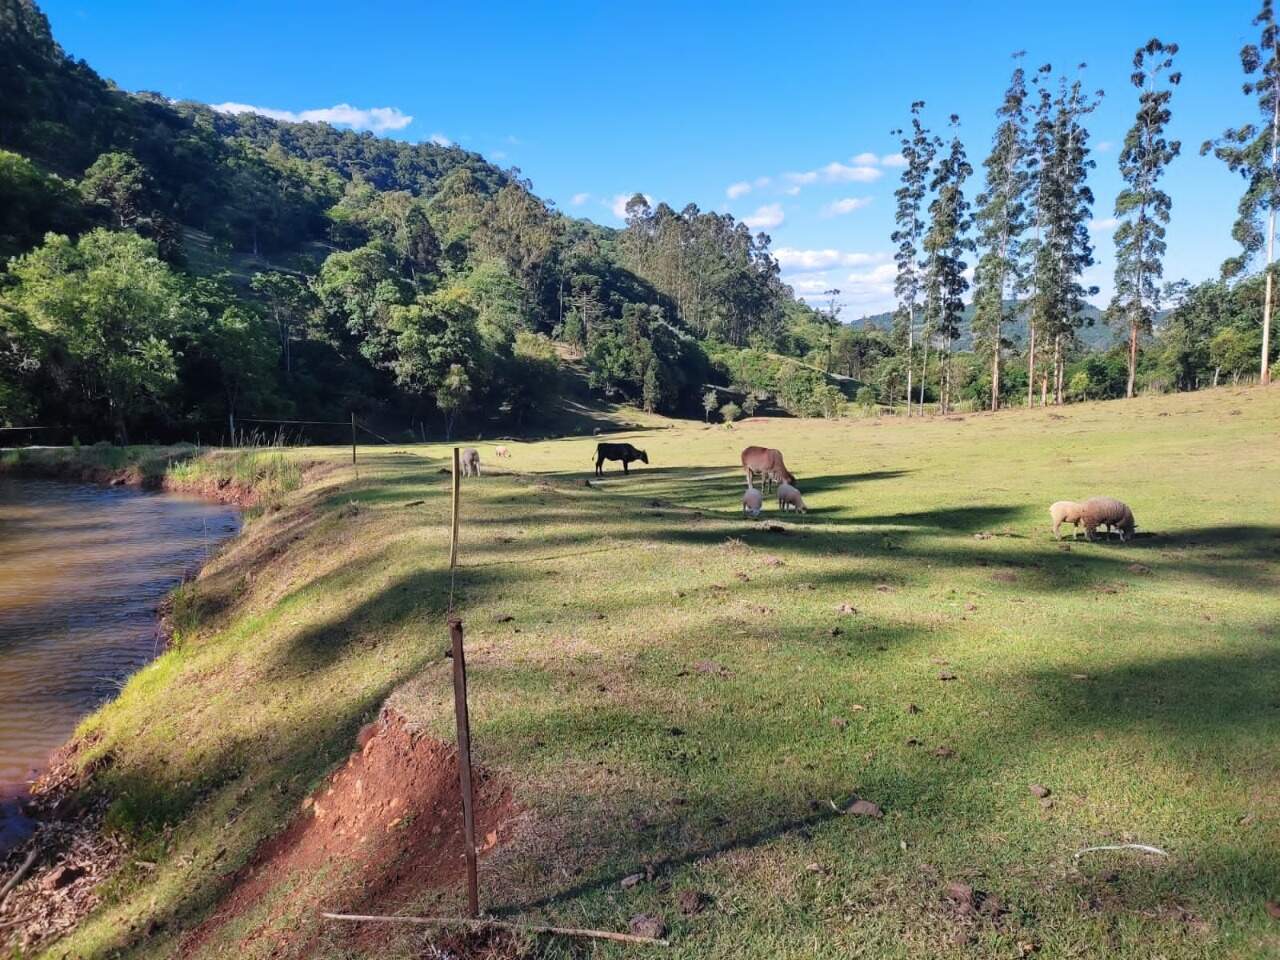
(267, 472)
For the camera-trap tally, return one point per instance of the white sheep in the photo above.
(501, 452)
(470, 462)
(789, 496)
(1108, 512)
(1066, 511)
(752, 502)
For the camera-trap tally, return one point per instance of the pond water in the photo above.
(83, 569)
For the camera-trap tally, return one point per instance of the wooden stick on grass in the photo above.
(522, 927)
(17, 877)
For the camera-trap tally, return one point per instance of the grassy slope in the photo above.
(1147, 697)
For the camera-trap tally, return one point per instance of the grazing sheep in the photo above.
(789, 496)
(1066, 511)
(501, 452)
(470, 462)
(752, 502)
(1108, 512)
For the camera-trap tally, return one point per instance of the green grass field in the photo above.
(679, 690)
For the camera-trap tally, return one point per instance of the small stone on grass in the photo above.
(864, 808)
(647, 925)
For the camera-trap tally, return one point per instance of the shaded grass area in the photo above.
(678, 692)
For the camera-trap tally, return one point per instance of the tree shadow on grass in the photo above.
(1222, 703)
(1189, 698)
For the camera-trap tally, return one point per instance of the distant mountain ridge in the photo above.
(1094, 333)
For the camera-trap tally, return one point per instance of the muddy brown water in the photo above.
(83, 569)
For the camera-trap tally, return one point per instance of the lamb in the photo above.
(752, 502)
(1066, 511)
(1100, 511)
(501, 452)
(789, 496)
(470, 462)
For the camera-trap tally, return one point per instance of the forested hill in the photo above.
(237, 175)
(295, 270)
(1093, 332)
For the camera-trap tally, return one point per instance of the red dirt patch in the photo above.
(388, 823)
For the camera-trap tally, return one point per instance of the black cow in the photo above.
(618, 451)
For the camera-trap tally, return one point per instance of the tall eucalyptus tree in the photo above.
(1001, 219)
(1253, 151)
(918, 150)
(944, 246)
(1142, 206)
(1062, 247)
(1040, 181)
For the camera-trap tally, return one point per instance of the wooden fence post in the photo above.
(460, 708)
(464, 764)
(355, 465)
(453, 534)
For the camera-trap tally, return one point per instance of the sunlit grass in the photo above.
(679, 688)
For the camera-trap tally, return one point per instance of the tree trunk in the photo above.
(1031, 361)
(924, 373)
(995, 366)
(911, 335)
(1057, 378)
(1133, 356)
(1265, 366)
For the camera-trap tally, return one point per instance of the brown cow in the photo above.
(768, 463)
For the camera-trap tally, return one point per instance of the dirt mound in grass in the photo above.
(386, 827)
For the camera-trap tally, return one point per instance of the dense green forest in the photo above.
(168, 271)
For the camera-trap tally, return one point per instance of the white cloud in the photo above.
(870, 286)
(866, 159)
(839, 173)
(845, 205)
(377, 119)
(893, 160)
(1104, 146)
(743, 187)
(836, 173)
(1104, 226)
(498, 155)
(807, 261)
(791, 191)
(809, 286)
(766, 217)
(578, 199)
(619, 203)
(440, 140)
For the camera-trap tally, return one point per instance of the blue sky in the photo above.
(682, 101)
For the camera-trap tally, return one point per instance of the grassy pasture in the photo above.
(678, 690)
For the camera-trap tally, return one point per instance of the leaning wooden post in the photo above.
(354, 465)
(460, 711)
(453, 529)
(464, 764)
